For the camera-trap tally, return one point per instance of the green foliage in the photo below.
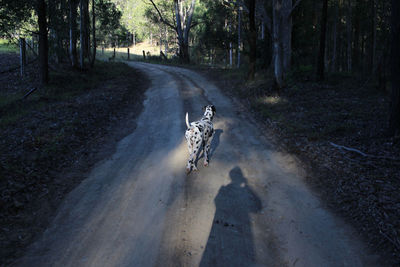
(108, 23)
(7, 47)
(133, 18)
(215, 34)
(13, 14)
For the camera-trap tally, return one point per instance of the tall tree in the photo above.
(373, 38)
(94, 44)
(181, 25)
(321, 55)
(335, 38)
(84, 34)
(239, 35)
(43, 41)
(252, 40)
(282, 11)
(73, 6)
(349, 36)
(395, 69)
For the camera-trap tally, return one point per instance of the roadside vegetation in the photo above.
(51, 137)
(336, 129)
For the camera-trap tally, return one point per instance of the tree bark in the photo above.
(334, 54)
(43, 42)
(286, 34)
(82, 33)
(321, 56)
(373, 38)
(73, 6)
(349, 36)
(277, 48)
(252, 40)
(188, 24)
(94, 44)
(239, 35)
(356, 42)
(182, 26)
(394, 124)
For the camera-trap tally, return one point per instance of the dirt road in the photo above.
(250, 207)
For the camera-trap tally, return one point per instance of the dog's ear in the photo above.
(204, 108)
(213, 109)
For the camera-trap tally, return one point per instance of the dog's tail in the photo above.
(187, 120)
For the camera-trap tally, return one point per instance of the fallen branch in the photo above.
(30, 92)
(362, 153)
(396, 244)
(350, 149)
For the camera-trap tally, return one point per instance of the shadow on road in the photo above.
(214, 145)
(230, 242)
(215, 141)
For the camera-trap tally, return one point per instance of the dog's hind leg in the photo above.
(193, 149)
(207, 150)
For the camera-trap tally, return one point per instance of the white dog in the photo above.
(199, 133)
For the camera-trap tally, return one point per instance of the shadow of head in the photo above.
(237, 177)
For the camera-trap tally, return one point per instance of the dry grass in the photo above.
(135, 52)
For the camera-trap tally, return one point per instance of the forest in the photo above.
(357, 37)
(323, 77)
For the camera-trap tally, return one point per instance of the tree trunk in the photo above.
(166, 41)
(73, 6)
(286, 34)
(373, 39)
(395, 69)
(262, 30)
(94, 44)
(239, 35)
(277, 48)
(356, 47)
(22, 55)
(179, 32)
(82, 33)
(43, 42)
(333, 62)
(252, 40)
(349, 36)
(87, 31)
(321, 56)
(186, 32)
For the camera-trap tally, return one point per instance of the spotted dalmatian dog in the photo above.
(199, 134)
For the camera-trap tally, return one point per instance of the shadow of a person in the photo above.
(230, 242)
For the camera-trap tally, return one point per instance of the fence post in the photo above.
(114, 53)
(22, 54)
(144, 55)
(128, 53)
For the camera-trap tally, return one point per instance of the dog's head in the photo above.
(209, 111)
